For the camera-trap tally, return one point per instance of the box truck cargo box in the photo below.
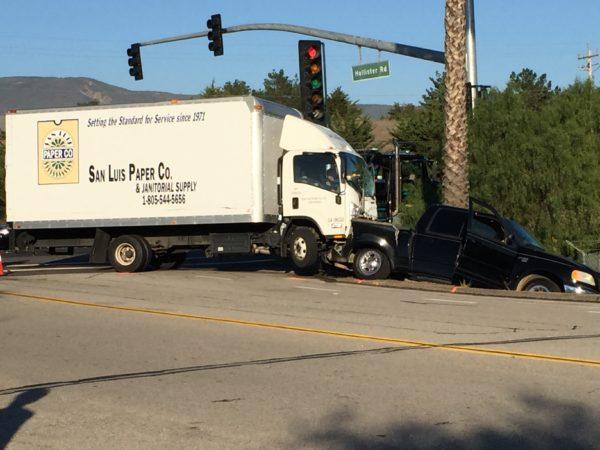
(192, 162)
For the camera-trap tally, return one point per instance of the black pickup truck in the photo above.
(475, 245)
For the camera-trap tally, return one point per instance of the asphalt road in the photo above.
(245, 355)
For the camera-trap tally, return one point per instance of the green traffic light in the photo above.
(315, 84)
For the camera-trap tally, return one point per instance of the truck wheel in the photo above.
(538, 283)
(371, 264)
(148, 252)
(128, 254)
(304, 250)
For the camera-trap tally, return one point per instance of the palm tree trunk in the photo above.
(455, 180)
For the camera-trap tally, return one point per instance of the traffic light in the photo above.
(215, 35)
(135, 61)
(312, 80)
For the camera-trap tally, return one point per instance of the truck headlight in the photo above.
(583, 277)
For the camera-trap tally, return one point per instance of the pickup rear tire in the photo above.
(304, 250)
(538, 283)
(128, 253)
(371, 264)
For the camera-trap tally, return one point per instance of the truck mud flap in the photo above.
(99, 253)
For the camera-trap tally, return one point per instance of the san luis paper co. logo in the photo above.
(58, 153)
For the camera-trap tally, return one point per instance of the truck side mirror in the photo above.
(338, 199)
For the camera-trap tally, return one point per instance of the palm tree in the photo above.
(455, 180)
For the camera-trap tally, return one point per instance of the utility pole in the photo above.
(589, 65)
(471, 53)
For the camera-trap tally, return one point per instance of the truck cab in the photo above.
(329, 188)
(324, 185)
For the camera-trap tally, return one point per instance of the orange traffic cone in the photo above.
(1, 266)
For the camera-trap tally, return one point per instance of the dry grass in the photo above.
(382, 132)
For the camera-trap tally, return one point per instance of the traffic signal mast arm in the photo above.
(384, 46)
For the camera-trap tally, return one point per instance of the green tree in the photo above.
(535, 90)
(229, 89)
(236, 88)
(423, 125)
(347, 120)
(211, 91)
(420, 128)
(280, 88)
(398, 110)
(536, 158)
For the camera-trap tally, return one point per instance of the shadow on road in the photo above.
(195, 260)
(540, 424)
(16, 414)
(236, 264)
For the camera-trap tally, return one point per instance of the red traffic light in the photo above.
(312, 52)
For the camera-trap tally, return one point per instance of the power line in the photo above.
(590, 66)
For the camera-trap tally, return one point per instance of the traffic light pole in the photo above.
(384, 46)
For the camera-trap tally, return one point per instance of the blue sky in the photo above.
(89, 38)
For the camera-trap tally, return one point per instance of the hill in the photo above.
(50, 92)
(375, 112)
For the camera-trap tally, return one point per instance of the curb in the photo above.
(451, 289)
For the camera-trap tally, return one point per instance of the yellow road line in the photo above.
(275, 326)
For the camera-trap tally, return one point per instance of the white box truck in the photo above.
(139, 184)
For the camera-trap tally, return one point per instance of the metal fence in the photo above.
(586, 253)
(593, 260)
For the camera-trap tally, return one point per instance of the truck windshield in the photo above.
(357, 174)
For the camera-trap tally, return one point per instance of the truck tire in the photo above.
(304, 250)
(371, 264)
(538, 283)
(148, 252)
(128, 253)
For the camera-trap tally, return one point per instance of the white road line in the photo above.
(595, 311)
(213, 278)
(316, 289)
(451, 301)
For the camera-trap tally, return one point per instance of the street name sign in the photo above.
(372, 70)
